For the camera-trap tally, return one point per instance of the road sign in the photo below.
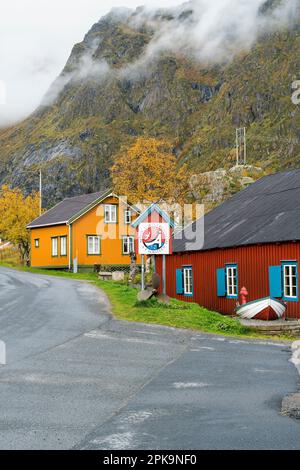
(154, 239)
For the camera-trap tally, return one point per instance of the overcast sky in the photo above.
(36, 38)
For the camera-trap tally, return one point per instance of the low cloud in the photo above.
(209, 31)
(214, 31)
(85, 68)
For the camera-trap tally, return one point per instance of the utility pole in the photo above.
(241, 146)
(41, 195)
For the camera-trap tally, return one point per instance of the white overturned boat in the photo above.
(262, 309)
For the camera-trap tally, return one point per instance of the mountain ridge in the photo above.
(111, 91)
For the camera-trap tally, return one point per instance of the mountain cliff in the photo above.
(117, 86)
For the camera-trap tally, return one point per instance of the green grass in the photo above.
(177, 314)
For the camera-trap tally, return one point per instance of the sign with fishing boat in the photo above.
(154, 239)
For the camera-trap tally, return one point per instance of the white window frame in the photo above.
(110, 214)
(127, 217)
(188, 284)
(37, 243)
(95, 246)
(63, 246)
(129, 241)
(54, 247)
(232, 281)
(290, 281)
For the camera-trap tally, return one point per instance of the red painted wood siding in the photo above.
(253, 273)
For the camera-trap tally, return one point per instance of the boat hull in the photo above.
(262, 309)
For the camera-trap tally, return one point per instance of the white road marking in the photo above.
(119, 441)
(269, 370)
(138, 417)
(179, 385)
(147, 333)
(98, 335)
(207, 347)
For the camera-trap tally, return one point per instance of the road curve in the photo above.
(40, 312)
(77, 378)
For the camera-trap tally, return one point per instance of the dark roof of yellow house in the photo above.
(68, 209)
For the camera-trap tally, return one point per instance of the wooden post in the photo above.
(154, 263)
(143, 272)
(164, 285)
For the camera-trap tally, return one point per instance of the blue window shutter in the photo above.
(275, 281)
(179, 281)
(221, 282)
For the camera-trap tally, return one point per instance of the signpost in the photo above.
(154, 238)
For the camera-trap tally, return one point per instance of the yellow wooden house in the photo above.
(93, 229)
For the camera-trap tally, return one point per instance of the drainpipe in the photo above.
(70, 246)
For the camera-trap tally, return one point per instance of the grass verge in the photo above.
(177, 314)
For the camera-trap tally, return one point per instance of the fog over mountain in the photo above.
(36, 37)
(191, 74)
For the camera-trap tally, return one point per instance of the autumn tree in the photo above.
(16, 212)
(148, 172)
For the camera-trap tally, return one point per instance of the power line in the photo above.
(41, 194)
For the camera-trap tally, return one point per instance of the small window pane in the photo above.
(232, 287)
(54, 247)
(188, 281)
(93, 245)
(290, 281)
(63, 246)
(127, 217)
(110, 213)
(128, 245)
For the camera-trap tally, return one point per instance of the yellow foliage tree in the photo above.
(148, 172)
(16, 211)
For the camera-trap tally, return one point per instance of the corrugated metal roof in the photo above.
(267, 211)
(67, 209)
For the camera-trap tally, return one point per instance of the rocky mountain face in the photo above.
(211, 188)
(112, 91)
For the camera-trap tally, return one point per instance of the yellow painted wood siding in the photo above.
(111, 234)
(91, 223)
(42, 256)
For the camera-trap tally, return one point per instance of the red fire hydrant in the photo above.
(244, 294)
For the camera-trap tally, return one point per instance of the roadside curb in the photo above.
(291, 404)
(296, 355)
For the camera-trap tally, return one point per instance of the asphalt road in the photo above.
(76, 378)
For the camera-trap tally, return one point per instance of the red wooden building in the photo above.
(251, 240)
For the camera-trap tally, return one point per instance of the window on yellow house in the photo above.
(128, 245)
(127, 217)
(63, 246)
(93, 245)
(110, 214)
(54, 246)
(37, 243)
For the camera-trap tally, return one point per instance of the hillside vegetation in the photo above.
(107, 96)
